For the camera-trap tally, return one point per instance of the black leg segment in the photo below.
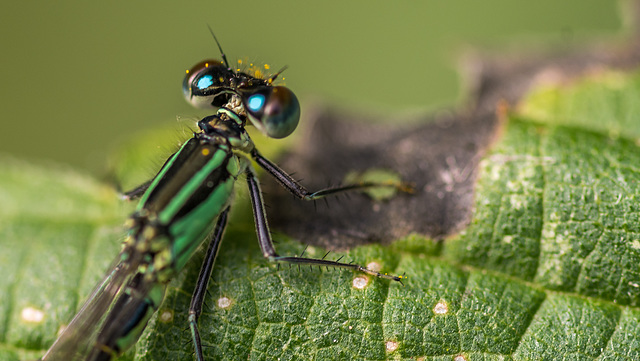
(301, 192)
(269, 251)
(197, 298)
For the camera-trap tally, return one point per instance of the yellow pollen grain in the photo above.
(187, 71)
(206, 65)
(205, 152)
(266, 66)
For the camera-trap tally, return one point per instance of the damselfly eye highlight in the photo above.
(273, 110)
(206, 84)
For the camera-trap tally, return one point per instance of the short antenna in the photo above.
(224, 57)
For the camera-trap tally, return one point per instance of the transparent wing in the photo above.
(78, 338)
(128, 317)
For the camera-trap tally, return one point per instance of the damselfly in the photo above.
(188, 202)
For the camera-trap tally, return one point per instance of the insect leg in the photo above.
(269, 251)
(136, 192)
(197, 299)
(301, 192)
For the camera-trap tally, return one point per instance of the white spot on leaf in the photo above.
(224, 302)
(360, 282)
(441, 308)
(166, 316)
(391, 346)
(33, 315)
(61, 330)
(374, 266)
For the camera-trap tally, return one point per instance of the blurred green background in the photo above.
(78, 76)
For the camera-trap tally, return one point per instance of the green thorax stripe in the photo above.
(185, 180)
(186, 198)
(164, 173)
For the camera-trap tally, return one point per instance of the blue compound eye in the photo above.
(204, 82)
(206, 85)
(255, 102)
(273, 110)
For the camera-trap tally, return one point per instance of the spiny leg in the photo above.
(197, 298)
(301, 192)
(129, 195)
(269, 251)
(136, 192)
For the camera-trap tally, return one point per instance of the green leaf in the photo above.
(548, 268)
(606, 102)
(55, 227)
(558, 206)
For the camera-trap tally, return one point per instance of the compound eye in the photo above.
(206, 84)
(273, 110)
